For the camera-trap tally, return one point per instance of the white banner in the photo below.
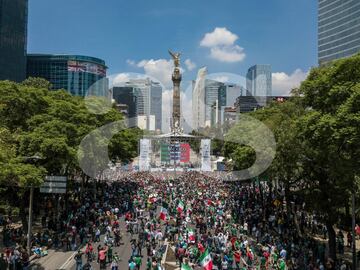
(144, 158)
(205, 155)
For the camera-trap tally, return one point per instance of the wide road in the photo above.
(66, 261)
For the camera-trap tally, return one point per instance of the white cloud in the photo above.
(220, 36)
(186, 108)
(160, 69)
(222, 45)
(283, 83)
(222, 79)
(229, 54)
(130, 62)
(121, 78)
(189, 64)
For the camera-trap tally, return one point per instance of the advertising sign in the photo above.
(205, 155)
(184, 152)
(175, 152)
(144, 158)
(164, 152)
(80, 66)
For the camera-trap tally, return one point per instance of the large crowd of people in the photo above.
(205, 223)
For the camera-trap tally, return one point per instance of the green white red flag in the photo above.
(185, 266)
(206, 261)
(164, 211)
(191, 235)
(180, 207)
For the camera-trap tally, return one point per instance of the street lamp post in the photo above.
(30, 220)
(32, 159)
(353, 244)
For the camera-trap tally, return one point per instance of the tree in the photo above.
(330, 135)
(37, 83)
(34, 120)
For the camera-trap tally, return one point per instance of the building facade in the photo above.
(79, 75)
(198, 100)
(245, 104)
(227, 98)
(212, 89)
(338, 29)
(126, 96)
(258, 80)
(144, 100)
(13, 36)
(230, 116)
(209, 99)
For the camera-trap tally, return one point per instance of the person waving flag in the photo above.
(164, 211)
(206, 261)
(180, 207)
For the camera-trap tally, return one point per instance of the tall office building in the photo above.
(144, 100)
(338, 29)
(79, 75)
(198, 100)
(13, 35)
(156, 103)
(212, 89)
(209, 99)
(228, 94)
(258, 80)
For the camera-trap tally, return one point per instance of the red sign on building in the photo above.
(184, 152)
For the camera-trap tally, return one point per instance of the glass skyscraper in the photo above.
(13, 32)
(212, 89)
(258, 80)
(79, 75)
(338, 29)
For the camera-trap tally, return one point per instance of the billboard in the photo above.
(184, 152)
(144, 159)
(80, 66)
(205, 155)
(164, 153)
(175, 152)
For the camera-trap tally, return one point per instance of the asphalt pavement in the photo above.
(60, 260)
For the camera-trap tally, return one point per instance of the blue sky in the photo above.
(226, 36)
(277, 32)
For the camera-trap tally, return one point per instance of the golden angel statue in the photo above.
(176, 58)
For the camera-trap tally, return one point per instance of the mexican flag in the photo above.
(191, 235)
(206, 261)
(180, 207)
(185, 266)
(164, 211)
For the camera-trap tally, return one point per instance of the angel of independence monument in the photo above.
(174, 142)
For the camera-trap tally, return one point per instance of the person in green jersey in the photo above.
(137, 260)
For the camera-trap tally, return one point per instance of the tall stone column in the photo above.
(176, 78)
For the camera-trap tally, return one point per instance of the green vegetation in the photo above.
(50, 124)
(318, 141)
